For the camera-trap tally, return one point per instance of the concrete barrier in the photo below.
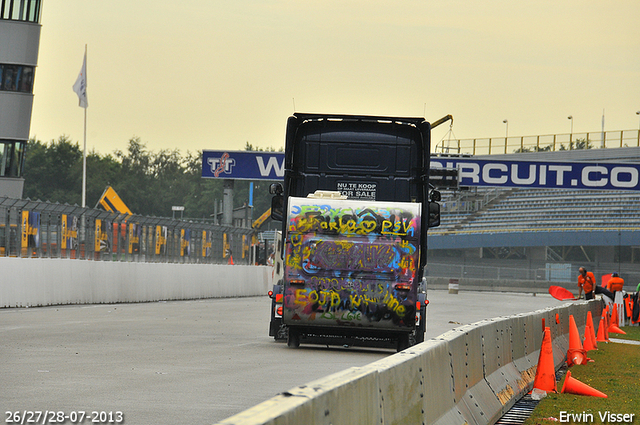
(470, 375)
(41, 282)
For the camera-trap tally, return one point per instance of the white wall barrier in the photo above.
(470, 375)
(41, 281)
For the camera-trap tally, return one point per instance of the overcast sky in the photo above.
(209, 74)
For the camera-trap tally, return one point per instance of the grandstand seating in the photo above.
(520, 210)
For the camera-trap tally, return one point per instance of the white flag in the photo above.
(80, 86)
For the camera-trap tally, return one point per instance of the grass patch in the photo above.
(615, 371)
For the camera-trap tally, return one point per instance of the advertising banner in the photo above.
(25, 232)
(63, 231)
(185, 239)
(243, 165)
(106, 238)
(97, 235)
(548, 174)
(134, 238)
(226, 245)
(69, 238)
(34, 229)
(206, 243)
(72, 232)
(30, 231)
(161, 240)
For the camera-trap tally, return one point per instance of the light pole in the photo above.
(638, 114)
(506, 134)
(570, 118)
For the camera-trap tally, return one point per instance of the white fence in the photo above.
(43, 281)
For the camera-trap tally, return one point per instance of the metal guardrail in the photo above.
(545, 227)
(549, 142)
(52, 230)
(475, 271)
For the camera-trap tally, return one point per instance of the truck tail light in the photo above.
(403, 286)
(278, 313)
(279, 298)
(270, 293)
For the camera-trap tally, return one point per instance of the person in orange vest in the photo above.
(586, 282)
(616, 283)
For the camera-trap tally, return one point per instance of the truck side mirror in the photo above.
(277, 207)
(434, 214)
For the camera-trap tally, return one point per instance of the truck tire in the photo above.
(403, 342)
(293, 339)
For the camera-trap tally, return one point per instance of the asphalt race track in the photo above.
(194, 362)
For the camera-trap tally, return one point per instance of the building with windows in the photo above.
(19, 43)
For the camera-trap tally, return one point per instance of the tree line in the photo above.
(573, 145)
(148, 182)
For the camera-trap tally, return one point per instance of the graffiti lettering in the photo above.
(352, 221)
(351, 256)
(347, 316)
(326, 301)
(399, 228)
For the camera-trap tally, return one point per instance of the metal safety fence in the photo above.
(542, 143)
(536, 272)
(475, 271)
(36, 229)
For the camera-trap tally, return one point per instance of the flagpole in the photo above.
(84, 163)
(84, 152)
(80, 87)
(602, 141)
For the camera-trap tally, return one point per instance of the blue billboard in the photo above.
(549, 174)
(246, 165)
(243, 165)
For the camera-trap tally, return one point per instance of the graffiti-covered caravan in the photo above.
(355, 210)
(351, 263)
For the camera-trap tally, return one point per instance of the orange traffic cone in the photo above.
(230, 260)
(613, 328)
(590, 331)
(589, 340)
(545, 372)
(573, 386)
(614, 315)
(601, 330)
(575, 354)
